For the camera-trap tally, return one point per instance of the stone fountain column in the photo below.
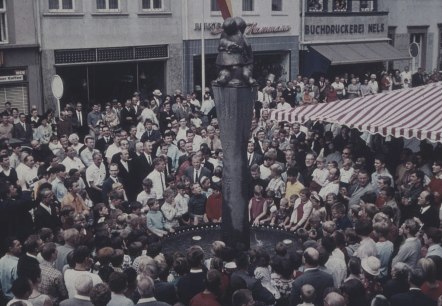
(234, 108)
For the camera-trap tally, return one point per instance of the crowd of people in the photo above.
(87, 198)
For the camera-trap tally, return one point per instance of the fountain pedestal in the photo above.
(234, 108)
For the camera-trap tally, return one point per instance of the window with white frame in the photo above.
(276, 5)
(152, 5)
(3, 22)
(214, 7)
(61, 5)
(108, 5)
(248, 5)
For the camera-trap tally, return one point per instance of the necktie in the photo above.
(148, 133)
(79, 118)
(162, 181)
(106, 139)
(211, 145)
(149, 160)
(24, 126)
(196, 176)
(116, 180)
(249, 159)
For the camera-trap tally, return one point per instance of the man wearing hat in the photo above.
(157, 96)
(371, 267)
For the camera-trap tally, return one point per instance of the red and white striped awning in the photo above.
(408, 113)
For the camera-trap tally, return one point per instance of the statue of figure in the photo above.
(235, 58)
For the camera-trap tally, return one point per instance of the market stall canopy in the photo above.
(408, 113)
(353, 53)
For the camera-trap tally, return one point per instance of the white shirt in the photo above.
(181, 204)
(95, 174)
(159, 182)
(74, 163)
(330, 187)
(70, 276)
(112, 150)
(143, 196)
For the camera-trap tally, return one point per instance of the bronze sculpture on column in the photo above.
(235, 92)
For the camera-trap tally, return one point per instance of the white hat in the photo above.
(373, 76)
(157, 92)
(230, 265)
(273, 209)
(371, 265)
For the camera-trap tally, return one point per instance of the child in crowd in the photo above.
(181, 204)
(205, 186)
(197, 206)
(282, 215)
(319, 176)
(346, 171)
(169, 211)
(257, 206)
(214, 205)
(155, 219)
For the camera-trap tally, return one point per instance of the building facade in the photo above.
(20, 73)
(417, 22)
(108, 49)
(350, 36)
(272, 31)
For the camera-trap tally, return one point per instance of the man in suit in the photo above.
(150, 134)
(83, 287)
(79, 121)
(320, 280)
(45, 215)
(112, 179)
(417, 79)
(362, 187)
(145, 287)
(104, 142)
(297, 133)
(126, 171)
(22, 130)
(196, 172)
(259, 142)
(414, 296)
(128, 116)
(164, 148)
(144, 162)
(253, 157)
(428, 214)
(28, 262)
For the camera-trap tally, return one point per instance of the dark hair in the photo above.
(355, 292)
(363, 227)
(80, 253)
(117, 282)
(354, 265)
(416, 277)
(195, 256)
(20, 287)
(100, 294)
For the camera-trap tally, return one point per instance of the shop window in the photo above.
(248, 5)
(276, 5)
(420, 38)
(61, 5)
(340, 5)
(315, 5)
(152, 5)
(214, 7)
(367, 5)
(108, 5)
(3, 23)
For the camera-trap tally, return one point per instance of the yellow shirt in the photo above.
(294, 188)
(77, 203)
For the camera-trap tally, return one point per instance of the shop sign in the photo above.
(215, 28)
(11, 78)
(345, 27)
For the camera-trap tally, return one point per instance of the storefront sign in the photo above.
(329, 28)
(215, 28)
(11, 78)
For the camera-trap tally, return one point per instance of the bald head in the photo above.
(311, 257)
(83, 284)
(334, 299)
